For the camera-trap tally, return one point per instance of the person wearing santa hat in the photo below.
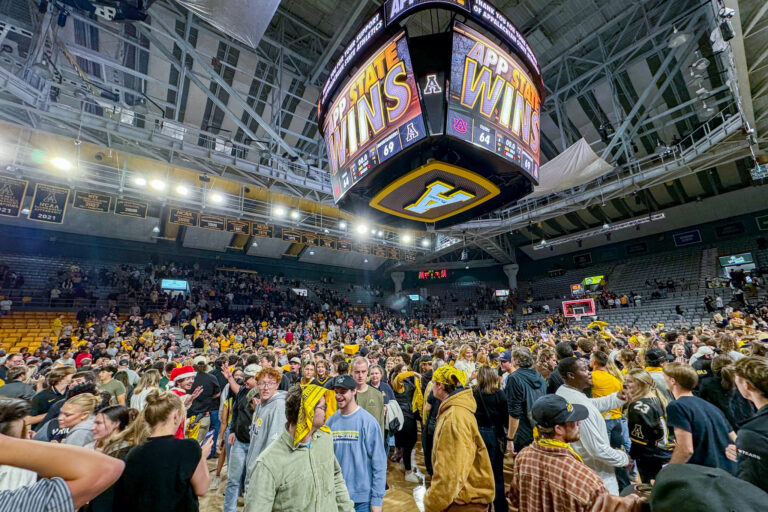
(182, 379)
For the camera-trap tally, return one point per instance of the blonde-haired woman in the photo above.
(150, 380)
(466, 363)
(646, 416)
(76, 415)
(163, 473)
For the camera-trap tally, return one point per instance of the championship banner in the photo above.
(493, 102)
(375, 116)
(262, 230)
(327, 242)
(292, 236)
(310, 239)
(12, 192)
(215, 222)
(241, 227)
(92, 202)
(183, 217)
(49, 203)
(343, 245)
(130, 208)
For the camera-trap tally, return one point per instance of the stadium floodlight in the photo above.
(157, 184)
(217, 198)
(295, 214)
(343, 224)
(362, 229)
(425, 242)
(61, 164)
(406, 238)
(140, 181)
(279, 211)
(182, 190)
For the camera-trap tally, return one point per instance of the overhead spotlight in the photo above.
(701, 63)
(77, 142)
(380, 233)
(326, 231)
(406, 238)
(373, 231)
(255, 244)
(295, 214)
(217, 198)
(311, 253)
(466, 267)
(606, 225)
(156, 229)
(543, 242)
(61, 164)
(182, 190)
(157, 184)
(343, 225)
(25, 211)
(362, 229)
(365, 260)
(140, 181)
(279, 211)
(425, 242)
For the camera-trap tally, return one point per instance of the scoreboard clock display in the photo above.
(493, 102)
(376, 115)
(430, 275)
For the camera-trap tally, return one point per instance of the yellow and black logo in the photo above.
(434, 192)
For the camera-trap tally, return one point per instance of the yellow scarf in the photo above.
(554, 443)
(417, 403)
(654, 369)
(310, 396)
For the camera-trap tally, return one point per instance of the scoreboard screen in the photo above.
(493, 102)
(375, 115)
(433, 274)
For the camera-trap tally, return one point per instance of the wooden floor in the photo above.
(399, 497)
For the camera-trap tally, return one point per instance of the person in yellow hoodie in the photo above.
(463, 476)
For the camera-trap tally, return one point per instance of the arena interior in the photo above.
(400, 255)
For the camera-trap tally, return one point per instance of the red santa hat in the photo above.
(182, 373)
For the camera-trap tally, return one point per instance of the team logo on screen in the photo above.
(460, 125)
(438, 194)
(434, 192)
(432, 86)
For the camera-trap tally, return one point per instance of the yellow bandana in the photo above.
(445, 375)
(554, 443)
(310, 396)
(417, 402)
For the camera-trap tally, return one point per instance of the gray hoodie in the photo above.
(80, 434)
(267, 425)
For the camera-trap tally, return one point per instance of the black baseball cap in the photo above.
(655, 357)
(343, 381)
(506, 356)
(551, 410)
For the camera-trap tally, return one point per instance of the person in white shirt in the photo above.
(594, 446)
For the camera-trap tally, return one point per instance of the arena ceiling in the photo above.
(641, 81)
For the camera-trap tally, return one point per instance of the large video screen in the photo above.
(375, 115)
(493, 102)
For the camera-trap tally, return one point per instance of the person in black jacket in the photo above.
(555, 380)
(751, 449)
(718, 390)
(524, 386)
(491, 418)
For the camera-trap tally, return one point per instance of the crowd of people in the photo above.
(308, 403)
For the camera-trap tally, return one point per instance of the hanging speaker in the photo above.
(726, 29)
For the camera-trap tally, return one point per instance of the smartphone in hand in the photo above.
(208, 436)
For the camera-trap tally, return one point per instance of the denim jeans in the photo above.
(616, 430)
(363, 507)
(215, 426)
(235, 468)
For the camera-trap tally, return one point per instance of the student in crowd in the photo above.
(593, 445)
(549, 475)
(164, 473)
(523, 387)
(299, 471)
(63, 486)
(13, 412)
(57, 382)
(368, 397)
(751, 449)
(107, 383)
(491, 419)
(268, 417)
(359, 446)
(77, 417)
(463, 476)
(407, 387)
(148, 381)
(646, 417)
(702, 433)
